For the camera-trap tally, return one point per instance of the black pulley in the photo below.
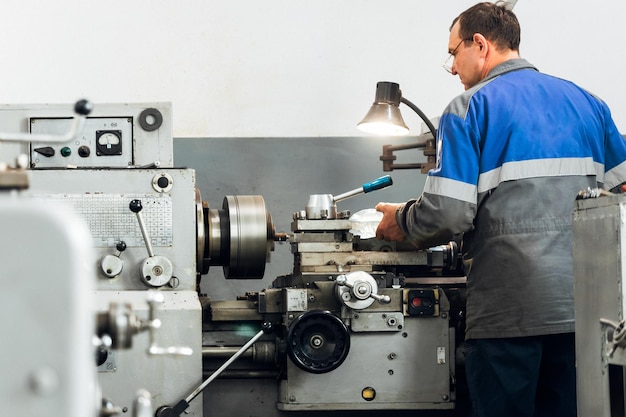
(318, 341)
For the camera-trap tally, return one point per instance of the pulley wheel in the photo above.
(318, 342)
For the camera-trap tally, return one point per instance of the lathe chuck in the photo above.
(238, 237)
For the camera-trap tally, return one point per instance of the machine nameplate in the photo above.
(441, 355)
(296, 299)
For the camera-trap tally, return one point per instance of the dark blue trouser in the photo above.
(522, 377)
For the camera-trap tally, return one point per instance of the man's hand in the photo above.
(388, 228)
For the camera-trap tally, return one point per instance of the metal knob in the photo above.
(358, 290)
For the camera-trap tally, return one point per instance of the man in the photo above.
(513, 150)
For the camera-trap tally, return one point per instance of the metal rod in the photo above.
(144, 233)
(82, 108)
(348, 194)
(223, 352)
(248, 374)
(406, 166)
(224, 366)
(415, 145)
(77, 125)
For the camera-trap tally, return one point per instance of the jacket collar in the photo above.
(508, 66)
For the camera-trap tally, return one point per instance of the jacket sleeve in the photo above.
(434, 220)
(447, 206)
(615, 154)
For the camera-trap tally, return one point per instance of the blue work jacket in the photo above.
(512, 154)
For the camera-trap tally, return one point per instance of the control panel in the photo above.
(104, 142)
(128, 135)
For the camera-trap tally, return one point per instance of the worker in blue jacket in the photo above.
(513, 152)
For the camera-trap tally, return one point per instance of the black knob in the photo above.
(268, 327)
(83, 107)
(121, 246)
(135, 206)
(163, 182)
(45, 151)
(84, 151)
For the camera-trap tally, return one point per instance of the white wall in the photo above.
(260, 68)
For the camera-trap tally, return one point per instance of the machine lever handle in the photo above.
(82, 108)
(377, 184)
(136, 207)
(361, 289)
(156, 270)
(183, 404)
(382, 299)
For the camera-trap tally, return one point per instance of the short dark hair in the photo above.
(495, 21)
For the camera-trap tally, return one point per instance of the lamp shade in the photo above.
(384, 117)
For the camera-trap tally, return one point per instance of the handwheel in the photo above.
(318, 341)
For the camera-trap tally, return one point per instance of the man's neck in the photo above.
(503, 57)
(496, 59)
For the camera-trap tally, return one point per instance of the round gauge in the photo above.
(109, 142)
(108, 139)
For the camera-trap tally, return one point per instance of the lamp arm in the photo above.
(421, 114)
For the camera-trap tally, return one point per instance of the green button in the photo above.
(65, 151)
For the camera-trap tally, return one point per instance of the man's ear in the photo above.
(480, 40)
